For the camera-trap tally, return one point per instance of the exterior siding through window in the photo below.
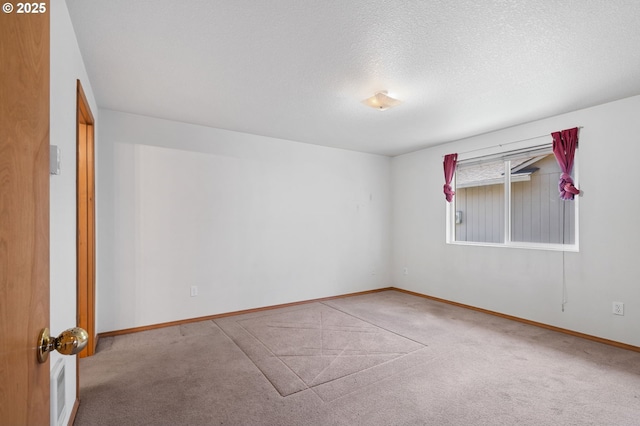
(538, 215)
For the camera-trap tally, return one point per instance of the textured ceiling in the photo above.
(299, 69)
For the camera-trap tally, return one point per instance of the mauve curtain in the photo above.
(564, 148)
(450, 161)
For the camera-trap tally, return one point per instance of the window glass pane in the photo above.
(479, 202)
(538, 215)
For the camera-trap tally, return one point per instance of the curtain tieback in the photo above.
(567, 188)
(448, 192)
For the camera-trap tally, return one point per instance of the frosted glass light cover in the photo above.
(381, 101)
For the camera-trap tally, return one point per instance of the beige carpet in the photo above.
(386, 358)
(321, 348)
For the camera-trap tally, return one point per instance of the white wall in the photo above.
(66, 67)
(252, 221)
(528, 283)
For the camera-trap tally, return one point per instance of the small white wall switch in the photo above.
(54, 160)
(618, 308)
(194, 290)
(406, 271)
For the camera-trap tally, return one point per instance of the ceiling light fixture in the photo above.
(381, 101)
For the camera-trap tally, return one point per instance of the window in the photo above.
(512, 199)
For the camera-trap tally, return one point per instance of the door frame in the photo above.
(85, 208)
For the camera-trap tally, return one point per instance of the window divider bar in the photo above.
(507, 201)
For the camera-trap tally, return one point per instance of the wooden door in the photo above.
(24, 214)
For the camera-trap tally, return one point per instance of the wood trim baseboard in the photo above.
(525, 321)
(360, 293)
(74, 411)
(228, 314)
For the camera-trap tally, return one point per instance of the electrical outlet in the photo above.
(618, 308)
(194, 290)
(406, 271)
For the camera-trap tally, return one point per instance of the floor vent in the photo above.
(58, 398)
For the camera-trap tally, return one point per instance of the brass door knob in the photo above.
(69, 342)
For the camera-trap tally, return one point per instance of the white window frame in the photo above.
(451, 211)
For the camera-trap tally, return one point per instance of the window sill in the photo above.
(521, 245)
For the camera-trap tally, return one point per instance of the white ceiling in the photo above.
(299, 69)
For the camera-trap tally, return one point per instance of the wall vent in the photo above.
(58, 397)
